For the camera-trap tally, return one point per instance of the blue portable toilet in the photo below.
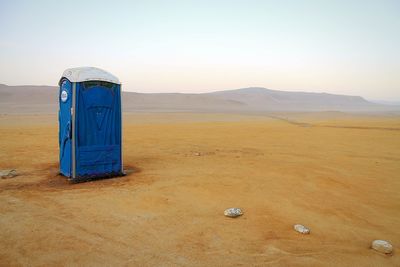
(90, 134)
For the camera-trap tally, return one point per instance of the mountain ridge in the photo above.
(43, 99)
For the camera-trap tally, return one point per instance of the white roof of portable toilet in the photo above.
(84, 74)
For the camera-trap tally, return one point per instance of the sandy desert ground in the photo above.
(339, 174)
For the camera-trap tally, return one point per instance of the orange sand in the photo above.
(343, 182)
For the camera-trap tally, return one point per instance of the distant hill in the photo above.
(44, 99)
(266, 99)
(28, 99)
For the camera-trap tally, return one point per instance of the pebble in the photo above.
(129, 171)
(233, 212)
(301, 229)
(4, 174)
(382, 246)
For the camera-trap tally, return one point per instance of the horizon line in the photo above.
(397, 101)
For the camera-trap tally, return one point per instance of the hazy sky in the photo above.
(347, 47)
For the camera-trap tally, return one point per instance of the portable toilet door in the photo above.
(90, 124)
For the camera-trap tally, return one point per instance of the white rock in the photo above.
(301, 229)
(129, 171)
(4, 174)
(233, 212)
(382, 246)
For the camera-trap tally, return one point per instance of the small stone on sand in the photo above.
(382, 246)
(233, 212)
(128, 171)
(4, 174)
(301, 229)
